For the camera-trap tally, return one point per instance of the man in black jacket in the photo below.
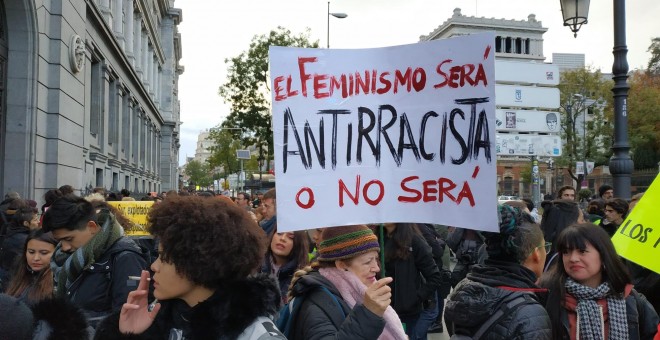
(516, 256)
(93, 259)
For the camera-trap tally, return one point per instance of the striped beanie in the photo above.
(340, 243)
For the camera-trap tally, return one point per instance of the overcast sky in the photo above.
(214, 30)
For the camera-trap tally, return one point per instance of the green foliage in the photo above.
(594, 96)
(223, 151)
(526, 173)
(584, 194)
(198, 173)
(644, 119)
(247, 87)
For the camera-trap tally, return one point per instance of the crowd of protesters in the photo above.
(217, 267)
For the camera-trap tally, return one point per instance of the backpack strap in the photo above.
(504, 310)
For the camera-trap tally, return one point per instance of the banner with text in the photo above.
(638, 237)
(136, 212)
(395, 134)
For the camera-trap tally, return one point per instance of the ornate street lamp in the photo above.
(575, 14)
(621, 166)
(336, 15)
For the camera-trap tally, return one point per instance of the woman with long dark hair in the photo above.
(287, 252)
(32, 280)
(416, 277)
(590, 291)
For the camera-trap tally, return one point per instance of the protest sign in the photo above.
(136, 212)
(638, 237)
(395, 134)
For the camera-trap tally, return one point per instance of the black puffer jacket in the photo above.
(481, 294)
(320, 317)
(234, 307)
(104, 286)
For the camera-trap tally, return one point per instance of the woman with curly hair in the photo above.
(286, 254)
(502, 293)
(202, 279)
(32, 279)
(342, 297)
(591, 293)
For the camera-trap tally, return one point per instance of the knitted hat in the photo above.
(340, 243)
(16, 322)
(603, 188)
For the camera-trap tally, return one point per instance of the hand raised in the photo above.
(134, 317)
(378, 296)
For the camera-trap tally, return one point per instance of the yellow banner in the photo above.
(136, 212)
(638, 237)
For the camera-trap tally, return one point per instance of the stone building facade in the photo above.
(88, 95)
(515, 40)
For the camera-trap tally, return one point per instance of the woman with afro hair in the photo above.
(203, 279)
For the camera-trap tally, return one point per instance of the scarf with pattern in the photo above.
(590, 316)
(67, 267)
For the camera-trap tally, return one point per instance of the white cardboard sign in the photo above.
(395, 134)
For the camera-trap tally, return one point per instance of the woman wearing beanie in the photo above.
(342, 298)
(500, 299)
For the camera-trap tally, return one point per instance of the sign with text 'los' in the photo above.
(638, 237)
(394, 134)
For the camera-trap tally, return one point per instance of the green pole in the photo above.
(381, 240)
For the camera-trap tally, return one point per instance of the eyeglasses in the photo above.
(547, 246)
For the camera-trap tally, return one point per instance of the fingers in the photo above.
(144, 280)
(382, 282)
(153, 313)
(137, 296)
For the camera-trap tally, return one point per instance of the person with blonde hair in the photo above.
(342, 295)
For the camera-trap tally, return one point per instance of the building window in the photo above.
(527, 51)
(135, 141)
(508, 46)
(96, 97)
(99, 177)
(113, 117)
(518, 46)
(115, 181)
(126, 124)
(498, 44)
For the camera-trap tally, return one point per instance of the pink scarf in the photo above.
(352, 291)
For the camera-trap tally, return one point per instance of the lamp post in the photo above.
(621, 165)
(336, 15)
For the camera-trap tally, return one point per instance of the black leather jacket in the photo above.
(480, 295)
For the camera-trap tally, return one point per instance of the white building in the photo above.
(89, 95)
